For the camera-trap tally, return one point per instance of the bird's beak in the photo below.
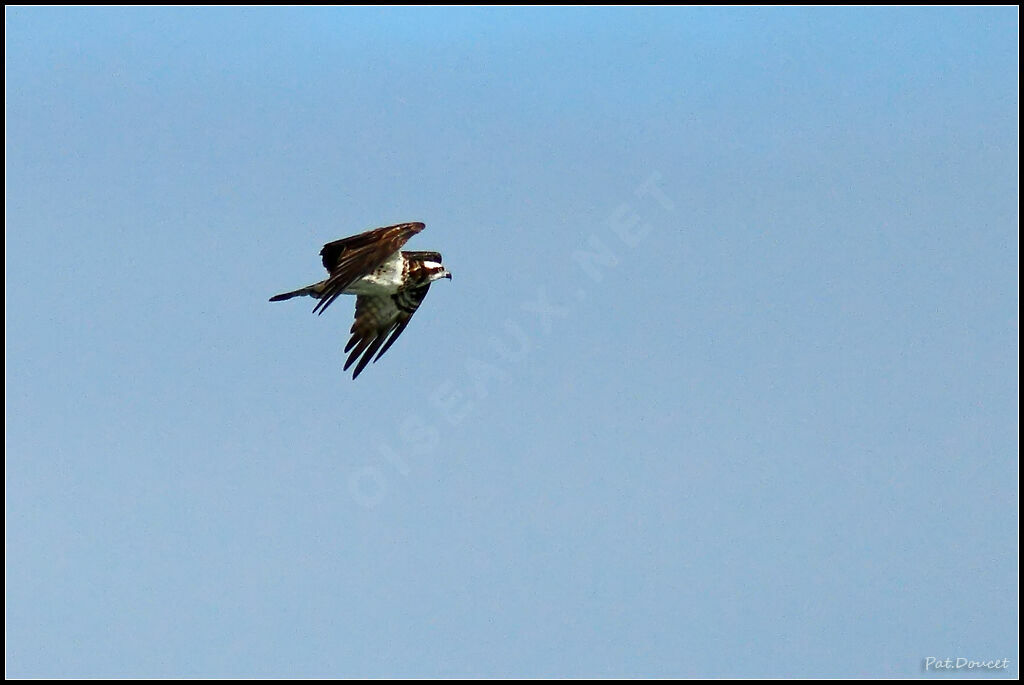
(448, 275)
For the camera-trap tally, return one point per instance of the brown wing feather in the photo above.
(380, 319)
(349, 259)
(423, 256)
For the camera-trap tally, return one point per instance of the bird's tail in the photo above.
(310, 290)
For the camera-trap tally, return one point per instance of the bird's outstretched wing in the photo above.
(349, 259)
(380, 319)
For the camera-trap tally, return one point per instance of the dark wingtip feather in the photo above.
(394, 333)
(368, 355)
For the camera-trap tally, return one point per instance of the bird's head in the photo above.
(434, 271)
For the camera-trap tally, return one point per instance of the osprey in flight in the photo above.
(389, 285)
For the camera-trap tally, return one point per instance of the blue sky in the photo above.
(725, 383)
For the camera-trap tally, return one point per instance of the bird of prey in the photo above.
(389, 285)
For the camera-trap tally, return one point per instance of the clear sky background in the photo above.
(725, 383)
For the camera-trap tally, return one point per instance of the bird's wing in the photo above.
(349, 259)
(380, 319)
(422, 256)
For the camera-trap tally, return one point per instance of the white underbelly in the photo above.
(387, 278)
